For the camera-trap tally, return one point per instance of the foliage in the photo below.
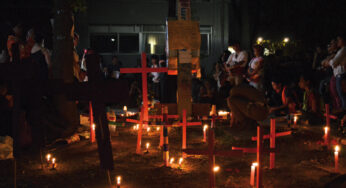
(78, 6)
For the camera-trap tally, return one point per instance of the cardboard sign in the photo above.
(183, 34)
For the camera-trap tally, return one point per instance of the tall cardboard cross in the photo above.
(144, 71)
(211, 153)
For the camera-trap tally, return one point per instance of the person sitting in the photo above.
(255, 68)
(236, 64)
(311, 101)
(286, 103)
(247, 105)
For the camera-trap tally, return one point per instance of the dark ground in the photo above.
(301, 162)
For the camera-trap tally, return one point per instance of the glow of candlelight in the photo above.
(337, 148)
(147, 145)
(205, 127)
(216, 168)
(222, 113)
(180, 160)
(48, 156)
(137, 126)
(93, 127)
(125, 108)
(255, 164)
(326, 130)
(118, 180)
(171, 161)
(295, 119)
(148, 129)
(53, 160)
(157, 128)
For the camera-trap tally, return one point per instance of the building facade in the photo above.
(127, 28)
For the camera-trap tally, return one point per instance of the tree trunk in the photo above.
(62, 63)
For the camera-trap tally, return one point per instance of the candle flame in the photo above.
(53, 160)
(171, 161)
(326, 130)
(48, 156)
(148, 129)
(118, 180)
(147, 145)
(137, 126)
(216, 168)
(205, 127)
(93, 126)
(223, 113)
(255, 164)
(337, 148)
(295, 119)
(181, 160)
(157, 128)
(125, 108)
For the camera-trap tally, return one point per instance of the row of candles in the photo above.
(51, 161)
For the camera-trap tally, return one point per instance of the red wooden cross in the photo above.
(259, 151)
(140, 122)
(272, 136)
(184, 124)
(144, 71)
(211, 153)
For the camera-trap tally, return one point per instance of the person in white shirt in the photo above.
(236, 64)
(338, 63)
(255, 68)
(155, 76)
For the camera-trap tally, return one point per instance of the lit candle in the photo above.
(252, 176)
(295, 119)
(48, 157)
(180, 161)
(53, 163)
(147, 147)
(205, 127)
(125, 110)
(157, 128)
(171, 161)
(92, 133)
(216, 168)
(326, 135)
(336, 158)
(137, 126)
(118, 181)
(148, 129)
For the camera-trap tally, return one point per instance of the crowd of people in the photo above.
(239, 80)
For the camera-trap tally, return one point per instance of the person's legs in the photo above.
(339, 91)
(333, 94)
(247, 109)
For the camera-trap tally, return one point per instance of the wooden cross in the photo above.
(24, 73)
(272, 136)
(140, 122)
(259, 151)
(144, 71)
(211, 153)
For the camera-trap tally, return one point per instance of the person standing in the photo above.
(155, 76)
